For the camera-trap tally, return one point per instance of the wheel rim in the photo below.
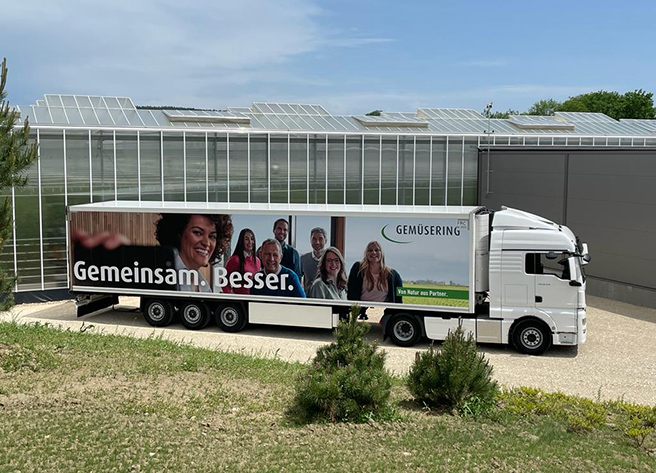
(404, 330)
(192, 314)
(229, 317)
(531, 337)
(156, 311)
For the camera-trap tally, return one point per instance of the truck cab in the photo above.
(536, 281)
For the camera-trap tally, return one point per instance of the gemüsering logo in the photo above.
(400, 233)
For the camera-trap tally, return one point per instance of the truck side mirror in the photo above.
(552, 255)
(572, 272)
(586, 255)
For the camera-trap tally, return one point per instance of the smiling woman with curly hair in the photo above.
(198, 240)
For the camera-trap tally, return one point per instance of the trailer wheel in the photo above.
(231, 317)
(194, 315)
(531, 337)
(404, 330)
(158, 312)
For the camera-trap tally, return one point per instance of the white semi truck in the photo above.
(507, 276)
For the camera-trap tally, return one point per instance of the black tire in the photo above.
(231, 317)
(158, 312)
(531, 337)
(404, 330)
(194, 315)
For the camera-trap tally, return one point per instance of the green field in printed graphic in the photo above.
(434, 294)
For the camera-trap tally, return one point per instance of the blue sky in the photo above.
(350, 56)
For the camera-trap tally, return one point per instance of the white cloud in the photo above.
(167, 51)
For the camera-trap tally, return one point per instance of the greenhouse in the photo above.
(94, 148)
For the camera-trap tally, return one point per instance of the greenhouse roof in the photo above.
(86, 111)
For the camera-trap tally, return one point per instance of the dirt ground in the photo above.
(617, 361)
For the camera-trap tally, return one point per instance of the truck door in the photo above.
(552, 281)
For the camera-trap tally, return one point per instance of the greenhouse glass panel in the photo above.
(151, 166)
(298, 169)
(217, 156)
(422, 170)
(438, 175)
(238, 168)
(470, 191)
(455, 148)
(39, 115)
(173, 167)
(89, 117)
(279, 169)
(127, 166)
(68, 101)
(28, 247)
(119, 118)
(196, 170)
(406, 170)
(74, 117)
(77, 167)
(58, 115)
(259, 168)
(388, 175)
(371, 169)
(317, 169)
(354, 170)
(102, 161)
(53, 209)
(336, 169)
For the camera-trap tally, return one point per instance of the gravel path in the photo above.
(617, 361)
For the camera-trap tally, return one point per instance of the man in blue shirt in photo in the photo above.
(271, 257)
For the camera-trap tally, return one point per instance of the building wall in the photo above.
(77, 166)
(607, 197)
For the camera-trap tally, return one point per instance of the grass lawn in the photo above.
(73, 401)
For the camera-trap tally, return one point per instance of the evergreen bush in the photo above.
(455, 376)
(346, 381)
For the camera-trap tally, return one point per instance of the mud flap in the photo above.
(88, 303)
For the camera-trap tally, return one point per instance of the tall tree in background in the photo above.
(16, 155)
(544, 107)
(636, 104)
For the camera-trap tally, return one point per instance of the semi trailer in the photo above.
(506, 276)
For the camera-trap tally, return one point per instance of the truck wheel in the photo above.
(404, 330)
(531, 337)
(230, 317)
(158, 312)
(194, 315)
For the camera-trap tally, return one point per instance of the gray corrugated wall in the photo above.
(607, 197)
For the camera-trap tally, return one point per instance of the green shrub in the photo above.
(637, 422)
(455, 376)
(580, 414)
(346, 381)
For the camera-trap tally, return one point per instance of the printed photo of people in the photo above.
(376, 260)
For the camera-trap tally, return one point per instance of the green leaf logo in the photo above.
(382, 232)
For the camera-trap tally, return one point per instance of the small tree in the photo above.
(346, 381)
(16, 155)
(453, 376)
